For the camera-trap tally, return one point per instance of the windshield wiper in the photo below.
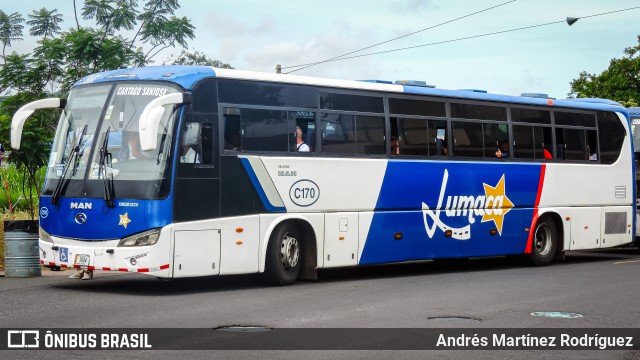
(73, 158)
(107, 176)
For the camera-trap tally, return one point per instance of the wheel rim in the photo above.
(543, 240)
(289, 251)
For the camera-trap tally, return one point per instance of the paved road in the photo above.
(486, 293)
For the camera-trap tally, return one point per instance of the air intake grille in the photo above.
(621, 192)
(615, 223)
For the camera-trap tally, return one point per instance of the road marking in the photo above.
(625, 262)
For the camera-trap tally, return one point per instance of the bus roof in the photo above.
(188, 76)
(634, 110)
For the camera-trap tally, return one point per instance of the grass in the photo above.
(11, 183)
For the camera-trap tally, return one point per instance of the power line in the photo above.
(304, 66)
(458, 39)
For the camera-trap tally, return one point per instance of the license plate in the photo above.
(82, 260)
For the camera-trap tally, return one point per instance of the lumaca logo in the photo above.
(492, 206)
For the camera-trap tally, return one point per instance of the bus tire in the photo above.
(284, 255)
(545, 242)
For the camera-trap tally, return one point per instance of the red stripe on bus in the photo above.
(534, 220)
(63, 265)
(143, 270)
(52, 264)
(164, 267)
(106, 269)
(76, 266)
(123, 269)
(91, 268)
(41, 262)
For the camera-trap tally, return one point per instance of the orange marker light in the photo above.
(239, 230)
(341, 238)
(586, 227)
(550, 102)
(526, 229)
(238, 242)
(567, 218)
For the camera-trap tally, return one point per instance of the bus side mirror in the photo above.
(151, 116)
(21, 116)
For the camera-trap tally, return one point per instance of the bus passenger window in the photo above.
(523, 138)
(256, 130)
(438, 138)
(338, 134)
(232, 138)
(496, 141)
(303, 136)
(467, 139)
(592, 145)
(412, 135)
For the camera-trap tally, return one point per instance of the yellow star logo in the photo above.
(497, 204)
(124, 220)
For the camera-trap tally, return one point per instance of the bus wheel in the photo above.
(284, 255)
(545, 242)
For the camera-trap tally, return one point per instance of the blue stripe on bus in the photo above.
(128, 217)
(410, 184)
(256, 184)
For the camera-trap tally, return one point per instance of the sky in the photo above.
(256, 35)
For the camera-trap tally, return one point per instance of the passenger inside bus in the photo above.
(301, 146)
(395, 146)
(593, 156)
(503, 149)
(442, 146)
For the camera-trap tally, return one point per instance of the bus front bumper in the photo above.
(106, 257)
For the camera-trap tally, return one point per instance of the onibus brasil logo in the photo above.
(492, 206)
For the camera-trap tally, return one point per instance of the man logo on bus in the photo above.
(492, 206)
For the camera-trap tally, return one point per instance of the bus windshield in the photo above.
(91, 113)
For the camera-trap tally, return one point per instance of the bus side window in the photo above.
(305, 122)
(232, 133)
(196, 143)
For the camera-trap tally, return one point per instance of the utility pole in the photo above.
(278, 69)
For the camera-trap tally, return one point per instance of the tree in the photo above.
(198, 58)
(619, 82)
(83, 52)
(10, 29)
(44, 23)
(111, 15)
(166, 33)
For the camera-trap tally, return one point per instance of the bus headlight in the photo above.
(142, 239)
(44, 236)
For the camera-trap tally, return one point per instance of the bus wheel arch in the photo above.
(547, 240)
(291, 253)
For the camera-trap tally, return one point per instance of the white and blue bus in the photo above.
(196, 171)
